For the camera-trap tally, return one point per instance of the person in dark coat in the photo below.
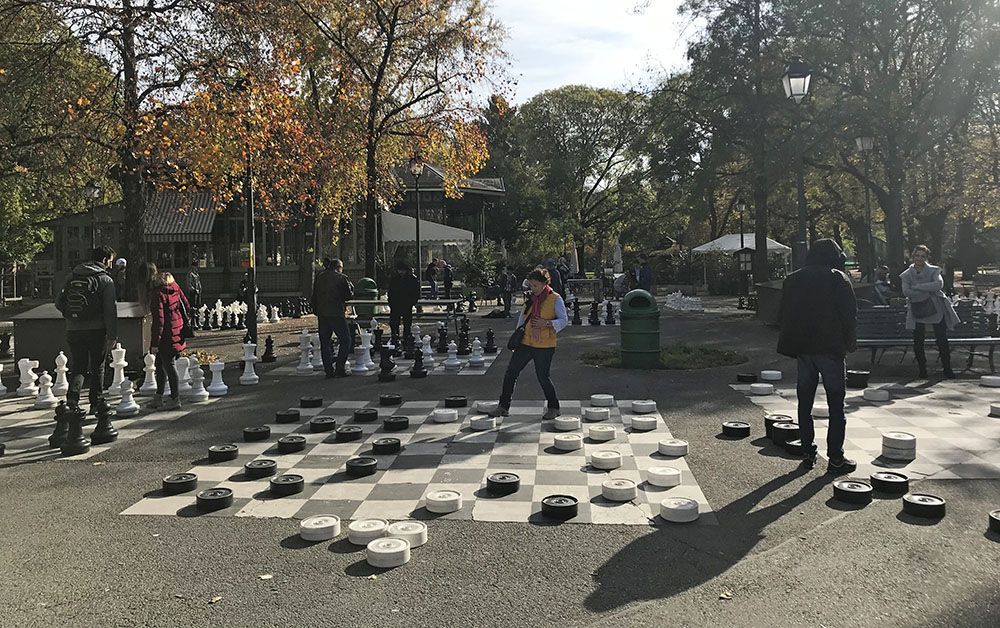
(507, 283)
(331, 292)
(194, 287)
(404, 292)
(120, 275)
(447, 277)
(644, 275)
(430, 276)
(87, 301)
(167, 308)
(818, 328)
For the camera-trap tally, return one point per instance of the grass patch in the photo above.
(673, 357)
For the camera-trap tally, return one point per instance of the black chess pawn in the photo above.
(268, 350)
(75, 442)
(464, 348)
(58, 436)
(491, 342)
(465, 324)
(386, 365)
(472, 302)
(409, 347)
(576, 312)
(595, 315)
(247, 338)
(241, 321)
(417, 371)
(609, 318)
(103, 432)
(442, 345)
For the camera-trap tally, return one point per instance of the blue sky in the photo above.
(605, 43)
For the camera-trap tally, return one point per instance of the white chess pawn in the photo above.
(305, 366)
(415, 330)
(45, 398)
(452, 363)
(428, 352)
(61, 386)
(149, 378)
(275, 315)
(317, 353)
(217, 387)
(373, 324)
(127, 406)
(27, 377)
(477, 359)
(198, 392)
(183, 378)
(262, 313)
(249, 376)
(118, 363)
(366, 344)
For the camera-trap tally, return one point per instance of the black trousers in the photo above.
(940, 338)
(404, 314)
(166, 371)
(507, 298)
(87, 350)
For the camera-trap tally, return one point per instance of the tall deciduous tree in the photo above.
(415, 65)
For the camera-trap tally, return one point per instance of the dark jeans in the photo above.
(329, 325)
(543, 364)
(194, 298)
(404, 314)
(940, 337)
(834, 371)
(507, 298)
(87, 350)
(447, 289)
(434, 289)
(166, 370)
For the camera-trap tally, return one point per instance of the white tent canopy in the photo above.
(730, 243)
(399, 229)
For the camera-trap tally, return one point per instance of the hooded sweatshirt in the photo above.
(109, 310)
(818, 308)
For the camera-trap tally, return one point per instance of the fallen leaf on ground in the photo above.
(725, 595)
(265, 576)
(373, 577)
(96, 464)
(217, 598)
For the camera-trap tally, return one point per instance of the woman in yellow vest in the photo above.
(543, 316)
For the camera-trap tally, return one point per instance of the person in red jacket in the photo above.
(167, 307)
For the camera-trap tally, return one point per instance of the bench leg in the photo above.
(903, 357)
(992, 370)
(972, 354)
(874, 352)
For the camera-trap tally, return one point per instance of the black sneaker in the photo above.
(841, 466)
(808, 460)
(341, 373)
(330, 374)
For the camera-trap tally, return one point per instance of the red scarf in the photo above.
(536, 302)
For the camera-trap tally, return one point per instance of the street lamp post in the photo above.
(796, 81)
(417, 169)
(92, 191)
(865, 144)
(741, 207)
(243, 86)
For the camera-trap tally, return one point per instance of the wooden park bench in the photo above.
(884, 327)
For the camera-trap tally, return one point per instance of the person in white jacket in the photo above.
(927, 305)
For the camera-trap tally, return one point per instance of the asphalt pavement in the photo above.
(784, 553)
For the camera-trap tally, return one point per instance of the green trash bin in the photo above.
(366, 288)
(640, 326)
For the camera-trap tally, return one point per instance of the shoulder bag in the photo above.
(517, 337)
(923, 309)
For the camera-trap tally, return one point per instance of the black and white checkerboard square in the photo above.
(443, 456)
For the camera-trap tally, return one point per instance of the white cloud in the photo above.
(605, 43)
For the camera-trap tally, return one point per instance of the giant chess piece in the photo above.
(396, 343)
(491, 342)
(45, 398)
(75, 443)
(386, 365)
(427, 352)
(27, 377)
(576, 312)
(609, 318)
(472, 302)
(224, 318)
(5, 345)
(418, 370)
(217, 387)
(415, 330)
(149, 378)
(595, 315)
(360, 366)
(305, 366)
(373, 325)
(104, 432)
(118, 363)
(442, 344)
(268, 356)
(377, 342)
(198, 392)
(464, 348)
(61, 387)
(366, 344)
(476, 360)
(249, 376)
(58, 436)
(275, 315)
(127, 406)
(183, 378)
(241, 317)
(261, 314)
(452, 363)
(204, 319)
(317, 353)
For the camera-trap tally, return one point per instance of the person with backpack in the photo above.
(170, 312)
(403, 293)
(87, 302)
(331, 292)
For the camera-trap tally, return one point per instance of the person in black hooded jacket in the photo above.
(818, 327)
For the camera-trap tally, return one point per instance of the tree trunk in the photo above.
(130, 167)
(371, 210)
(893, 206)
(965, 247)
(581, 251)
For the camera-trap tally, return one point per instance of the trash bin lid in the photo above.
(366, 283)
(639, 302)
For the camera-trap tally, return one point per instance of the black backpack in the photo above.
(83, 298)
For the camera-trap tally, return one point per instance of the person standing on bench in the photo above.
(927, 305)
(818, 328)
(404, 292)
(430, 276)
(331, 292)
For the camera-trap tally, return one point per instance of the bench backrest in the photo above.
(890, 322)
